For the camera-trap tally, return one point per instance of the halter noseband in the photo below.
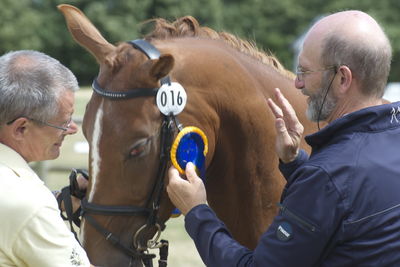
(150, 210)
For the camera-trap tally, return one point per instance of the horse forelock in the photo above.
(188, 26)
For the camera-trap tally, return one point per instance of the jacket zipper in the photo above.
(299, 220)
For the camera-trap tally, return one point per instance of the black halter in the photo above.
(152, 53)
(150, 210)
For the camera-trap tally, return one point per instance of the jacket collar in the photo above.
(14, 161)
(369, 119)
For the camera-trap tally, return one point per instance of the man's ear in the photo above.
(346, 78)
(19, 128)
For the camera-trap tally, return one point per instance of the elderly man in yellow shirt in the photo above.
(36, 106)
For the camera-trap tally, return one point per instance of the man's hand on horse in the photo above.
(288, 127)
(83, 182)
(79, 181)
(76, 190)
(186, 194)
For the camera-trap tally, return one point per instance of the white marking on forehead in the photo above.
(81, 231)
(95, 158)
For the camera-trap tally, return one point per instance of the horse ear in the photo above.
(85, 33)
(162, 66)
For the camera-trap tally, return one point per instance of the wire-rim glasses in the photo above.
(300, 73)
(64, 127)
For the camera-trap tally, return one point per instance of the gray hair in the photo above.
(31, 84)
(369, 61)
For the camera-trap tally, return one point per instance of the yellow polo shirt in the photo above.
(32, 232)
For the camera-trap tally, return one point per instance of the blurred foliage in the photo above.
(274, 25)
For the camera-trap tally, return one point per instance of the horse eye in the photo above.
(139, 149)
(136, 152)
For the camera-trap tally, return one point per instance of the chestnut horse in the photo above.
(227, 81)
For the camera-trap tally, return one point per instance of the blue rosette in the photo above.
(190, 145)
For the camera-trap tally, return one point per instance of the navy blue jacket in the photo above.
(340, 206)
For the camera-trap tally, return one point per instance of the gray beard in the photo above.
(313, 112)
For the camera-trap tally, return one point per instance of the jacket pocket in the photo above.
(296, 219)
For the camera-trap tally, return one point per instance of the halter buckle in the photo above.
(152, 243)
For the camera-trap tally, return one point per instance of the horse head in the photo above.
(121, 207)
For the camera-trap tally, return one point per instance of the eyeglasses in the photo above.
(301, 73)
(63, 127)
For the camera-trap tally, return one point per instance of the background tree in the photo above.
(19, 24)
(274, 25)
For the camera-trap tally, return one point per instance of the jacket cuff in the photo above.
(197, 217)
(288, 168)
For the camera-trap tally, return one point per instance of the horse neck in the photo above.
(229, 90)
(227, 93)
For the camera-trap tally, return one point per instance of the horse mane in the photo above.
(188, 26)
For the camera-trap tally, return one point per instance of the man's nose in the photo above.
(73, 128)
(299, 84)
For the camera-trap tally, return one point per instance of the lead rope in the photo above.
(162, 262)
(65, 196)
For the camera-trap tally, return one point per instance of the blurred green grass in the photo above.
(182, 252)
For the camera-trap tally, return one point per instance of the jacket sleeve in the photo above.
(308, 217)
(213, 240)
(287, 169)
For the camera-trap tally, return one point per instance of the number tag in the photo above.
(171, 98)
